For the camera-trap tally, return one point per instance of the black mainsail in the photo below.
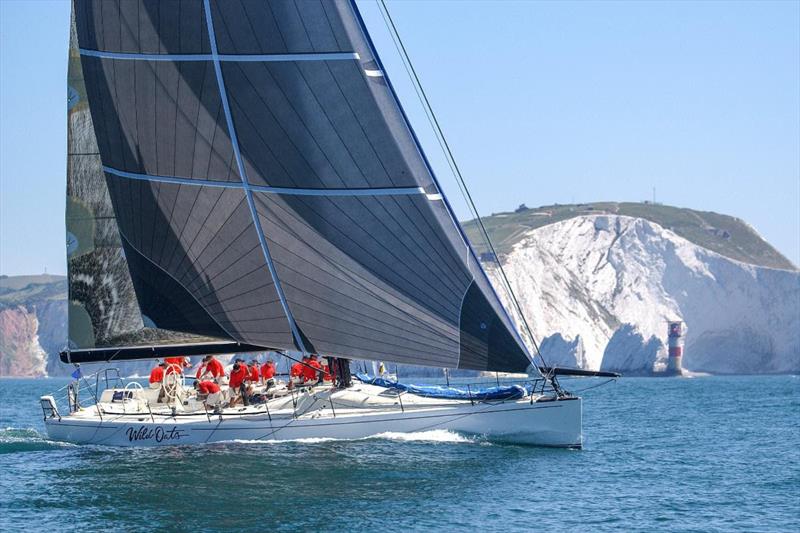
(268, 191)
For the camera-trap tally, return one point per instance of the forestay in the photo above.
(268, 189)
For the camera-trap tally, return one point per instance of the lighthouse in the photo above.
(675, 335)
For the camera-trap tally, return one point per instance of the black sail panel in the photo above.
(315, 124)
(279, 27)
(359, 290)
(160, 118)
(144, 27)
(268, 188)
(198, 247)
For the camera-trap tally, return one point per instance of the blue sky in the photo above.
(542, 102)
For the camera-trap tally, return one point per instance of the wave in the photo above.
(14, 440)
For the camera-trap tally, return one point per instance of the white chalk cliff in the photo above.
(598, 289)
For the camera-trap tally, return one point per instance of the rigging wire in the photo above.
(596, 385)
(409, 67)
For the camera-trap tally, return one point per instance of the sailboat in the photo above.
(242, 178)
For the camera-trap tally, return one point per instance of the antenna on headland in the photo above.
(654, 195)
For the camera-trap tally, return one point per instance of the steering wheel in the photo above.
(130, 387)
(173, 383)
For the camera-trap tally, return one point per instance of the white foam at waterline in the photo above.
(307, 440)
(432, 435)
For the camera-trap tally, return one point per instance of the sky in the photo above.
(541, 103)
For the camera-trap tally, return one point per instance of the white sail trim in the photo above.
(291, 191)
(260, 58)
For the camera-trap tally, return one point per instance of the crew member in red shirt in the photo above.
(210, 366)
(176, 364)
(237, 384)
(252, 376)
(326, 372)
(297, 369)
(312, 369)
(209, 392)
(268, 370)
(157, 376)
(296, 373)
(252, 369)
(307, 372)
(207, 387)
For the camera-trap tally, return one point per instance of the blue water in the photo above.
(702, 454)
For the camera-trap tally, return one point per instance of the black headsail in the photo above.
(269, 190)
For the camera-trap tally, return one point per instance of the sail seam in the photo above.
(246, 185)
(245, 58)
(295, 191)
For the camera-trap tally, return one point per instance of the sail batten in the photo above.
(260, 58)
(269, 189)
(363, 191)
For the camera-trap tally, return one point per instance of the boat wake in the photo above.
(309, 440)
(433, 435)
(13, 440)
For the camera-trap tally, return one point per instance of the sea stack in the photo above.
(675, 334)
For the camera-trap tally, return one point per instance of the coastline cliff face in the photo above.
(33, 324)
(21, 353)
(599, 289)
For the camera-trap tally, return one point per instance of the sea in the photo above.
(660, 454)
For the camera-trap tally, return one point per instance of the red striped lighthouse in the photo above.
(675, 343)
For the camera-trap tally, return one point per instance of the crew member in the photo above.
(268, 371)
(208, 391)
(307, 372)
(296, 373)
(311, 372)
(206, 387)
(157, 379)
(211, 367)
(237, 383)
(176, 364)
(252, 370)
(297, 368)
(157, 375)
(268, 374)
(253, 377)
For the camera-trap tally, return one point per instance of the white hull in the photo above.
(546, 423)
